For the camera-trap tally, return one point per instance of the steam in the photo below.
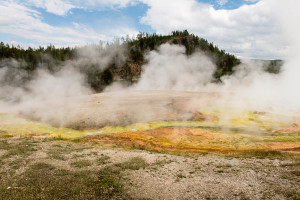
(100, 56)
(55, 96)
(169, 68)
(172, 86)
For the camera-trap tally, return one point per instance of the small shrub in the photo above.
(180, 176)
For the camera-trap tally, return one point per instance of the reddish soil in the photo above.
(292, 129)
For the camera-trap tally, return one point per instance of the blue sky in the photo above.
(130, 15)
(243, 27)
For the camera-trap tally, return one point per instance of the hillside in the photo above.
(124, 59)
(144, 42)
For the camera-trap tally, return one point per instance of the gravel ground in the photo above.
(213, 177)
(166, 176)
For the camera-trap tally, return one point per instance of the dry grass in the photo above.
(89, 171)
(81, 163)
(133, 164)
(26, 174)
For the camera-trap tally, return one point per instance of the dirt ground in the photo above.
(142, 174)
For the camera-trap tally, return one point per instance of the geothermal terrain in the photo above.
(149, 116)
(176, 118)
(164, 120)
(149, 145)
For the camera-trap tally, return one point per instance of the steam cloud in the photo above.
(170, 69)
(63, 98)
(54, 97)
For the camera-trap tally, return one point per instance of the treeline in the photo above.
(130, 68)
(33, 58)
(225, 62)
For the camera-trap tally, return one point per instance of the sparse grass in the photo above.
(297, 173)
(289, 193)
(81, 149)
(15, 164)
(104, 159)
(6, 136)
(61, 184)
(134, 163)
(76, 156)
(93, 154)
(162, 162)
(81, 163)
(76, 140)
(56, 146)
(22, 148)
(224, 166)
(104, 179)
(107, 187)
(210, 198)
(180, 176)
(111, 170)
(68, 148)
(56, 154)
(265, 154)
(41, 166)
(4, 145)
(42, 180)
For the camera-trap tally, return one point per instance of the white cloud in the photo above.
(58, 7)
(252, 1)
(222, 2)
(248, 31)
(19, 20)
(62, 7)
(100, 4)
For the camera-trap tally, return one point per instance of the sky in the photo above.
(246, 28)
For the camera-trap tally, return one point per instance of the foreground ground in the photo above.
(114, 146)
(58, 169)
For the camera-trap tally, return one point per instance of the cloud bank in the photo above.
(248, 31)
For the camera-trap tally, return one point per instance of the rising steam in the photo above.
(170, 69)
(63, 97)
